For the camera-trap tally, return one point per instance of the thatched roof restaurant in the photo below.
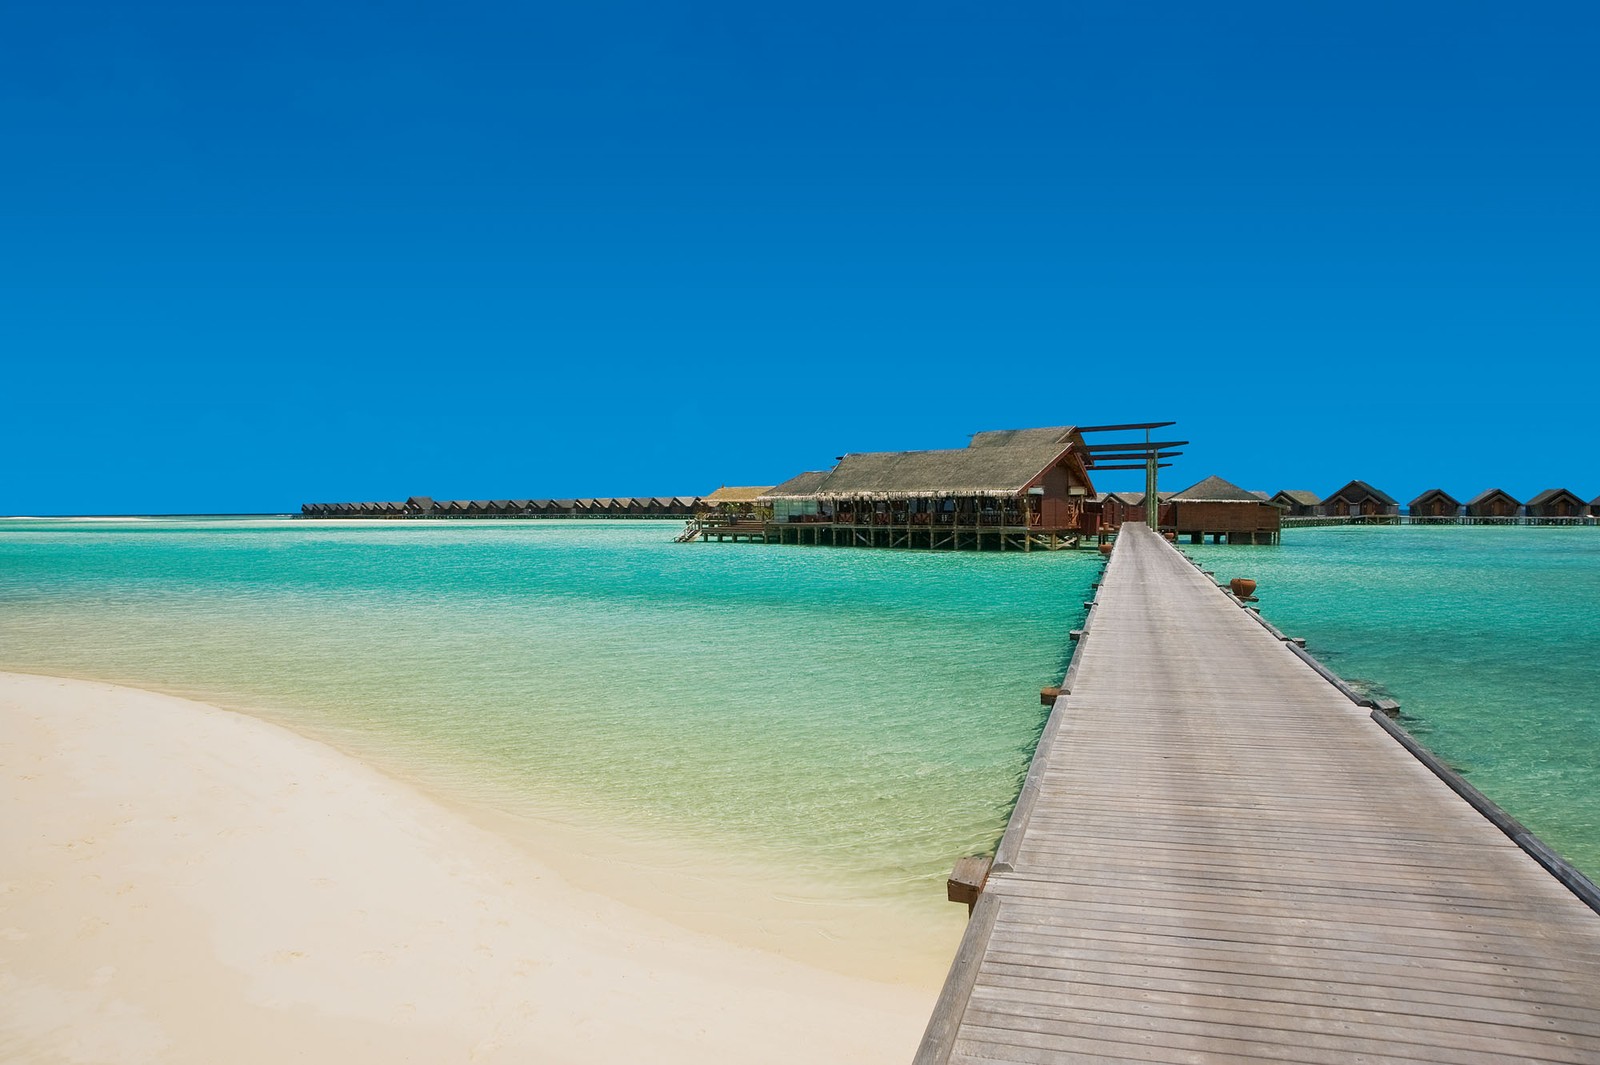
(971, 472)
(1010, 481)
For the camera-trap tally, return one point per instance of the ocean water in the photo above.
(867, 713)
(1489, 637)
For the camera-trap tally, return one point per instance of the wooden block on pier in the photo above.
(967, 880)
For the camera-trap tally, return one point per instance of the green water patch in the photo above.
(1489, 637)
(868, 711)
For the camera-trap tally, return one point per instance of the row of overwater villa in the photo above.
(1359, 501)
(1007, 490)
(427, 507)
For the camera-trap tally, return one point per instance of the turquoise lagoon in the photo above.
(1489, 637)
(866, 714)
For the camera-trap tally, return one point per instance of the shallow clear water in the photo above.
(1489, 637)
(870, 713)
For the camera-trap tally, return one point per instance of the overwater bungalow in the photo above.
(1007, 490)
(1295, 503)
(1435, 503)
(1493, 503)
(1594, 507)
(1222, 510)
(1118, 507)
(1358, 499)
(1556, 504)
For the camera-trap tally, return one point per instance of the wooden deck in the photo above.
(1220, 857)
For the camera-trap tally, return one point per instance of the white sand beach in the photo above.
(180, 883)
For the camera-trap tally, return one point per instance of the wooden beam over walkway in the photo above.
(1218, 857)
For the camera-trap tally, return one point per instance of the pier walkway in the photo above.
(1218, 856)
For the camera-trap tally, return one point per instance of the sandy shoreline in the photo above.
(180, 883)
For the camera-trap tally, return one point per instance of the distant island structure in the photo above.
(427, 507)
(1007, 490)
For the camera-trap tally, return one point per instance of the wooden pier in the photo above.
(1219, 856)
(939, 536)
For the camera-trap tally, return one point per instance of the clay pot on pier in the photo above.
(1242, 587)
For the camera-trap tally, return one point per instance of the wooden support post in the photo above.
(1152, 501)
(967, 880)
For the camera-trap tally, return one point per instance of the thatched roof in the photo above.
(1363, 490)
(727, 494)
(970, 471)
(1214, 490)
(802, 486)
(1059, 434)
(1434, 493)
(1550, 495)
(1299, 498)
(1489, 493)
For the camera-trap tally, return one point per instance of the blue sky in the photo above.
(258, 254)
